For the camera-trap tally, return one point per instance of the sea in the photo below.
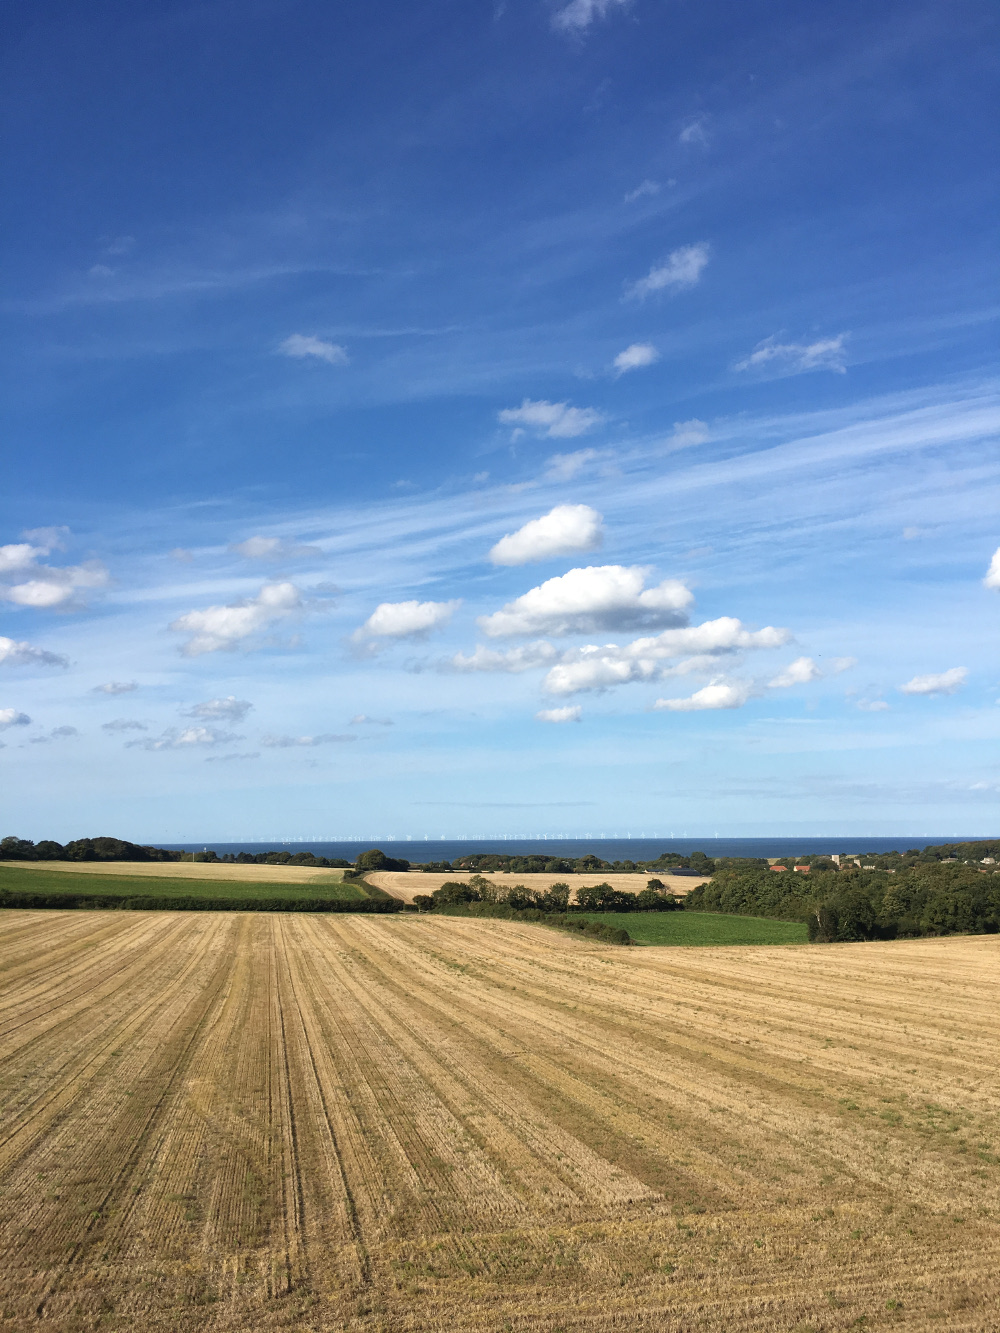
(608, 849)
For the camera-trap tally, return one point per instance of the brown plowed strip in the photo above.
(230, 1122)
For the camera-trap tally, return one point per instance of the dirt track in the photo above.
(404, 884)
(233, 1122)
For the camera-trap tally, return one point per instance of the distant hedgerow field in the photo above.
(703, 928)
(15, 880)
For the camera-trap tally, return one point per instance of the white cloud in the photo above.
(229, 708)
(10, 717)
(635, 357)
(220, 628)
(402, 620)
(598, 667)
(304, 345)
(578, 15)
(273, 548)
(647, 187)
(873, 705)
(839, 664)
(688, 433)
(47, 585)
(564, 530)
(528, 657)
(185, 739)
(287, 742)
(115, 687)
(564, 467)
(14, 653)
(992, 579)
(800, 672)
(557, 421)
(696, 132)
(226, 758)
(571, 713)
(362, 719)
(945, 682)
(795, 358)
(123, 724)
(720, 694)
(593, 598)
(56, 734)
(682, 269)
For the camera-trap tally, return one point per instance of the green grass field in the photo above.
(703, 928)
(16, 880)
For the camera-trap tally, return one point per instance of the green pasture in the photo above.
(702, 928)
(17, 880)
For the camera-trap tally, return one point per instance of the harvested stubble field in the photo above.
(241, 1122)
(403, 884)
(39, 877)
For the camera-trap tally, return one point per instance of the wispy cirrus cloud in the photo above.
(293, 742)
(273, 548)
(578, 15)
(682, 269)
(303, 346)
(797, 358)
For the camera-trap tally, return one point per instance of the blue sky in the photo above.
(518, 418)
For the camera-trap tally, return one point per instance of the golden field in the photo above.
(404, 884)
(200, 870)
(252, 1122)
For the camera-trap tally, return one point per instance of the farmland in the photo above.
(120, 881)
(702, 928)
(258, 1122)
(405, 884)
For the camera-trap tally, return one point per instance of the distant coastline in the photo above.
(608, 849)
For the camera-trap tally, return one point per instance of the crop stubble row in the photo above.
(269, 1122)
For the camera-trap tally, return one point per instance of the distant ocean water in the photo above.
(608, 849)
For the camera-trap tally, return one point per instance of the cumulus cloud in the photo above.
(186, 738)
(223, 628)
(944, 682)
(992, 579)
(571, 713)
(115, 687)
(229, 709)
(273, 548)
(564, 530)
(564, 467)
(689, 433)
(719, 694)
(302, 345)
(578, 15)
(123, 724)
(287, 742)
(635, 357)
(647, 187)
(557, 421)
(25, 581)
(598, 667)
(795, 358)
(405, 620)
(528, 657)
(593, 598)
(20, 653)
(56, 734)
(10, 717)
(683, 268)
(800, 672)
